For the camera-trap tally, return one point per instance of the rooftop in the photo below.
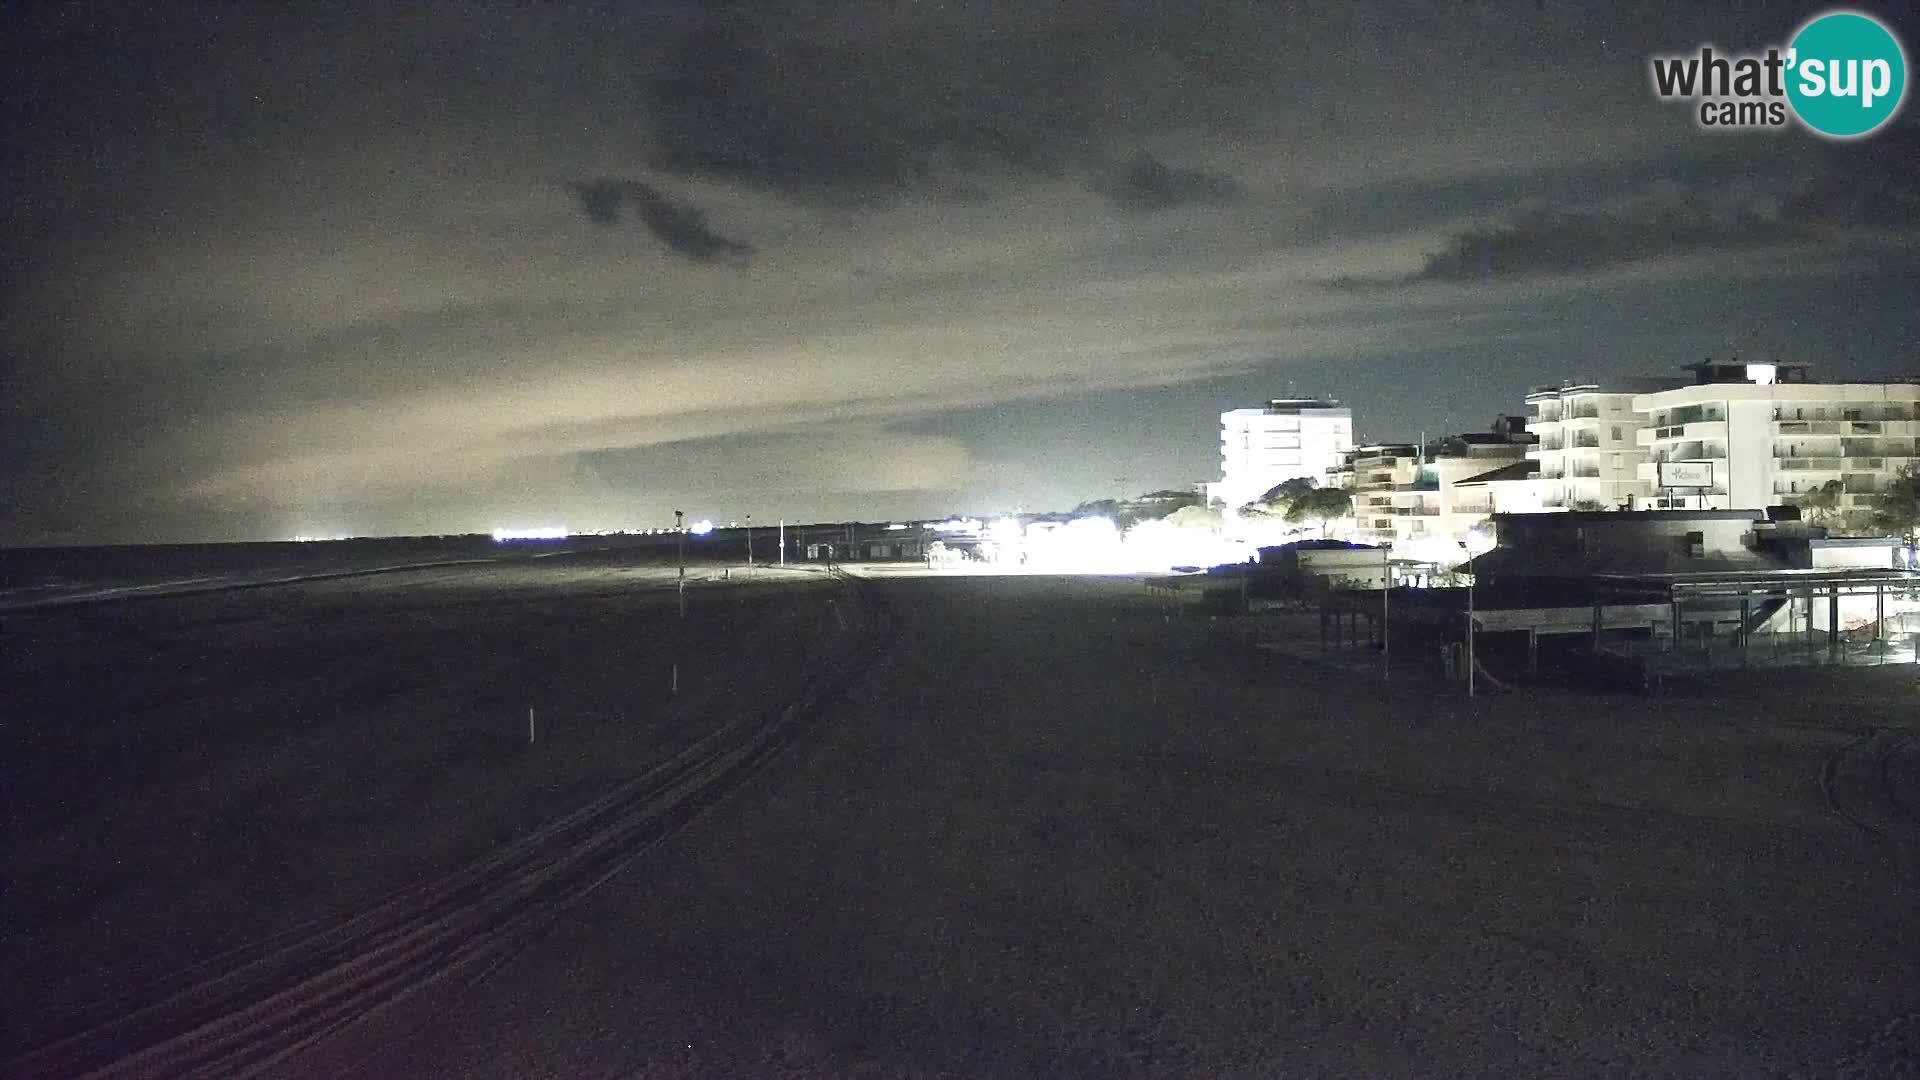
(1638, 384)
(1519, 470)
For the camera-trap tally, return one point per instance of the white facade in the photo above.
(1514, 489)
(1433, 513)
(1286, 439)
(1372, 474)
(1769, 437)
(1589, 450)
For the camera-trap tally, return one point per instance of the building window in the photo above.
(1616, 433)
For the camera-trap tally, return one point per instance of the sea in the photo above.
(40, 577)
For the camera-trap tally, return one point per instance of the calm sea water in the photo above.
(40, 575)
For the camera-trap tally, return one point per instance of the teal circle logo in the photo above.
(1846, 74)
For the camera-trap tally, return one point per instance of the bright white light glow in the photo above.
(970, 526)
(895, 528)
(701, 527)
(304, 539)
(538, 532)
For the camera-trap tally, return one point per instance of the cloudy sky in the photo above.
(406, 268)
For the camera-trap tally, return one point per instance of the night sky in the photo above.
(330, 269)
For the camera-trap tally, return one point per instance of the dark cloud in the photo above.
(1148, 184)
(868, 110)
(681, 227)
(813, 116)
(1858, 193)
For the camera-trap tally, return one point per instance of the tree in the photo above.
(1322, 505)
(1821, 504)
(1283, 494)
(1897, 509)
(1107, 508)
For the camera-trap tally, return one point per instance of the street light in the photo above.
(1386, 612)
(1476, 544)
(749, 543)
(680, 526)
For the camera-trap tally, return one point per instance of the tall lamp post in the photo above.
(1386, 612)
(680, 526)
(749, 543)
(1475, 545)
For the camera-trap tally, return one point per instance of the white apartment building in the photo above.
(1589, 449)
(1748, 436)
(1283, 440)
(1373, 473)
(1432, 514)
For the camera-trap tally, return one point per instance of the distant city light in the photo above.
(958, 525)
(701, 527)
(304, 539)
(896, 528)
(538, 532)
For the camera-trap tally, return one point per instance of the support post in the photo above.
(1807, 641)
(1746, 615)
(1833, 622)
(1880, 621)
(1533, 651)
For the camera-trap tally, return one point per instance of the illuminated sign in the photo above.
(1686, 474)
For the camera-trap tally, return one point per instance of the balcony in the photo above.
(1587, 442)
(1416, 511)
(1695, 429)
(1806, 427)
(1808, 464)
